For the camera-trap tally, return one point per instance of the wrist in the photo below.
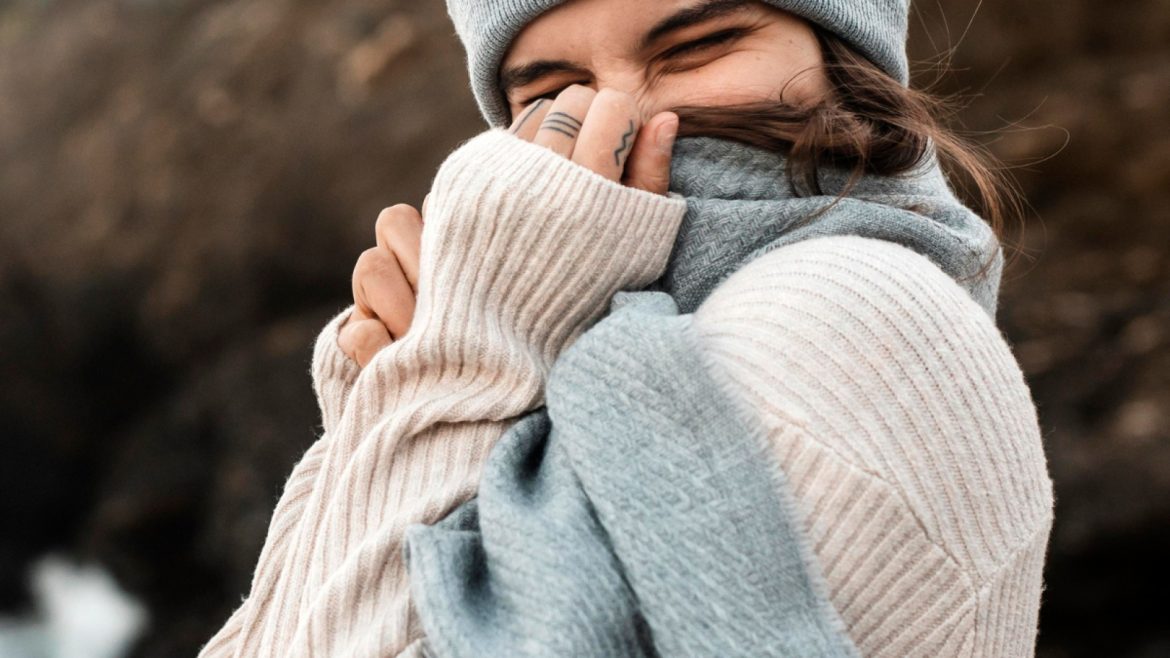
(333, 371)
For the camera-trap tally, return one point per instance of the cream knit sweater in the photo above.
(898, 413)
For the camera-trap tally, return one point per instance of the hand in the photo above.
(602, 130)
(385, 285)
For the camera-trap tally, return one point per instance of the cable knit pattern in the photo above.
(909, 437)
(521, 252)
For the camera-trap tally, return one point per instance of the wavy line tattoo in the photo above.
(528, 115)
(625, 145)
(562, 123)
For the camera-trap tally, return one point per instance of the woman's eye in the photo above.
(550, 95)
(714, 39)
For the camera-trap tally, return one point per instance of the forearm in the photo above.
(522, 251)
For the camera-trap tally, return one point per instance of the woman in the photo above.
(835, 288)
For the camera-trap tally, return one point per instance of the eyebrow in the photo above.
(519, 76)
(526, 74)
(694, 15)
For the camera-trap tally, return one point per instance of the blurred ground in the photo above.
(186, 184)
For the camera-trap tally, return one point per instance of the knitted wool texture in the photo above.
(404, 437)
(640, 514)
(740, 205)
(897, 412)
(876, 28)
(646, 499)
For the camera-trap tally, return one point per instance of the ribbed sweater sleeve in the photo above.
(333, 371)
(522, 251)
(908, 434)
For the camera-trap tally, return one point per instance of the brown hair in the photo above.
(871, 123)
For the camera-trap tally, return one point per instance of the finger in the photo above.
(649, 165)
(608, 133)
(560, 127)
(380, 289)
(399, 231)
(363, 339)
(526, 125)
(356, 314)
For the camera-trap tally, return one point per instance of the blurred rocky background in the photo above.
(186, 184)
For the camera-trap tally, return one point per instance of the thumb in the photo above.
(648, 167)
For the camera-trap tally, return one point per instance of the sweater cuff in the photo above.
(333, 371)
(522, 241)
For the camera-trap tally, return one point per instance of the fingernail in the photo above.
(667, 132)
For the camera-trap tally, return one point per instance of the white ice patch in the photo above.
(80, 613)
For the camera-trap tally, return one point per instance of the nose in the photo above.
(632, 82)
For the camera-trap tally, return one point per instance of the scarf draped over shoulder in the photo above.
(640, 513)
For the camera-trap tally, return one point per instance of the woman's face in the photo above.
(666, 53)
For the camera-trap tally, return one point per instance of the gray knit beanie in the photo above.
(876, 28)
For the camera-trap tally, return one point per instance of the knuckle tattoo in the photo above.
(563, 123)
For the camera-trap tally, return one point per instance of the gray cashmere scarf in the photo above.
(640, 512)
(741, 205)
